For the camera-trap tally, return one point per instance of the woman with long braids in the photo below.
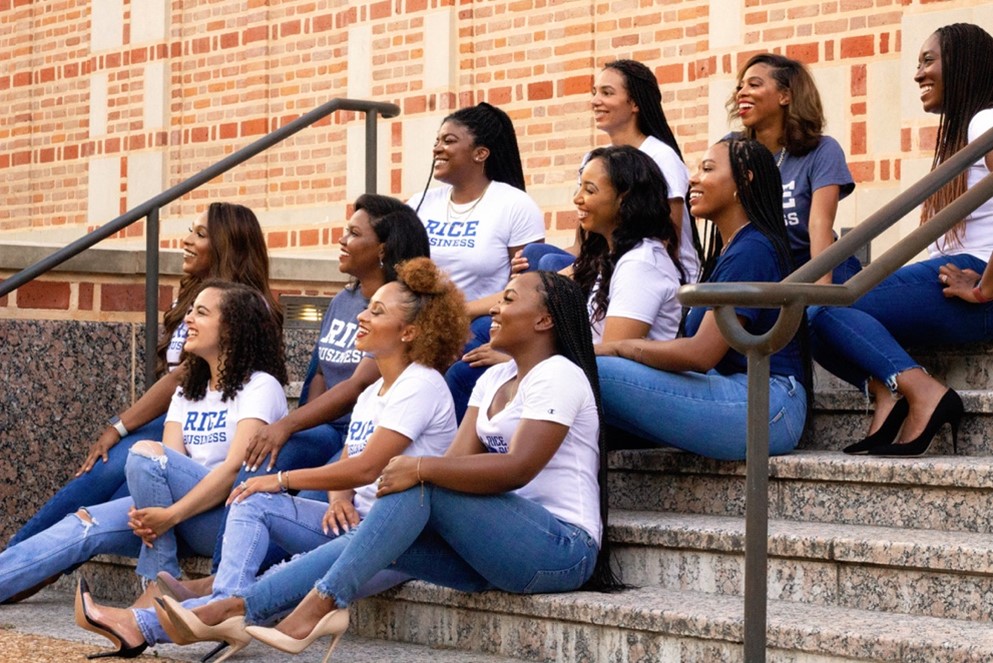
(945, 299)
(412, 326)
(225, 242)
(524, 480)
(778, 105)
(232, 384)
(627, 106)
(479, 219)
(698, 381)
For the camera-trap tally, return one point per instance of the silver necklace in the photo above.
(782, 157)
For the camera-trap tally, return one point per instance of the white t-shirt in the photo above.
(209, 424)
(418, 406)
(677, 179)
(643, 288)
(473, 249)
(176, 343)
(555, 390)
(977, 238)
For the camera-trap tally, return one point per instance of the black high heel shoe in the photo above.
(886, 433)
(948, 411)
(84, 620)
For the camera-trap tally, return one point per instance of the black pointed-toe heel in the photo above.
(887, 432)
(84, 620)
(949, 411)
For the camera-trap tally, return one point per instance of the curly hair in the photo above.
(437, 307)
(643, 89)
(566, 303)
(643, 214)
(237, 254)
(967, 78)
(250, 340)
(804, 122)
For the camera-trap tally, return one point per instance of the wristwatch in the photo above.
(118, 425)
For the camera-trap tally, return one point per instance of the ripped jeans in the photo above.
(293, 523)
(75, 539)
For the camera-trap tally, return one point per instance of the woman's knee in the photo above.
(145, 455)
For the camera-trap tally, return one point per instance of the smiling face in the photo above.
(712, 187)
(597, 202)
(760, 102)
(613, 109)
(519, 313)
(203, 322)
(928, 75)
(383, 326)
(196, 249)
(455, 153)
(361, 250)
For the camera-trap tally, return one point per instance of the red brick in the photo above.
(539, 91)
(858, 80)
(254, 127)
(322, 23)
(806, 53)
(44, 294)
(669, 73)
(857, 47)
(884, 170)
(863, 171)
(260, 33)
(575, 85)
(380, 10)
(277, 240)
(229, 40)
(858, 138)
(122, 297)
(85, 297)
(228, 130)
(289, 28)
(309, 237)
(413, 105)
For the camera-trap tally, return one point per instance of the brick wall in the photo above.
(104, 103)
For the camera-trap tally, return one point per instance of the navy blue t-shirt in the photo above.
(750, 257)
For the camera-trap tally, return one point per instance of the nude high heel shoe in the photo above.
(192, 629)
(334, 623)
(84, 620)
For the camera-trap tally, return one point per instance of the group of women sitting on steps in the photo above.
(413, 450)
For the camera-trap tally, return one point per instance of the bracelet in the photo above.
(283, 487)
(118, 425)
(977, 292)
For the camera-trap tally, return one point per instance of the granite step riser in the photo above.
(834, 430)
(548, 639)
(945, 508)
(845, 584)
(966, 367)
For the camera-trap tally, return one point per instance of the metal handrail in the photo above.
(150, 208)
(792, 295)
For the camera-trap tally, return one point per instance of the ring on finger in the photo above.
(243, 485)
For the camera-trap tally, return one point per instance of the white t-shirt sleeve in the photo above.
(527, 224)
(640, 286)
(410, 407)
(261, 398)
(175, 411)
(547, 396)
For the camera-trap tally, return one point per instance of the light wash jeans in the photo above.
(705, 413)
(70, 542)
(908, 308)
(292, 523)
(467, 542)
(105, 482)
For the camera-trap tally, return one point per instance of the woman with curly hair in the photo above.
(777, 103)
(232, 384)
(517, 503)
(225, 242)
(413, 326)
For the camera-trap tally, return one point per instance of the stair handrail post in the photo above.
(151, 294)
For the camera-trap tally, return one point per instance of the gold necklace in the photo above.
(462, 215)
(731, 238)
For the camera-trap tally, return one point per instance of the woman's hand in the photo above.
(341, 515)
(268, 439)
(150, 523)
(484, 355)
(519, 264)
(398, 475)
(609, 349)
(958, 282)
(99, 449)
(264, 484)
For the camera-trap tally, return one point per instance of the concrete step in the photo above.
(918, 572)
(950, 493)
(658, 624)
(841, 417)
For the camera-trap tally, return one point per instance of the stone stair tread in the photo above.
(976, 401)
(934, 550)
(838, 631)
(832, 466)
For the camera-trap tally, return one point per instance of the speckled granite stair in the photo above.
(657, 624)
(934, 492)
(921, 572)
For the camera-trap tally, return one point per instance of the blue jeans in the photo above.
(908, 308)
(308, 448)
(547, 257)
(103, 483)
(705, 413)
(293, 524)
(467, 542)
(461, 377)
(71, 541)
